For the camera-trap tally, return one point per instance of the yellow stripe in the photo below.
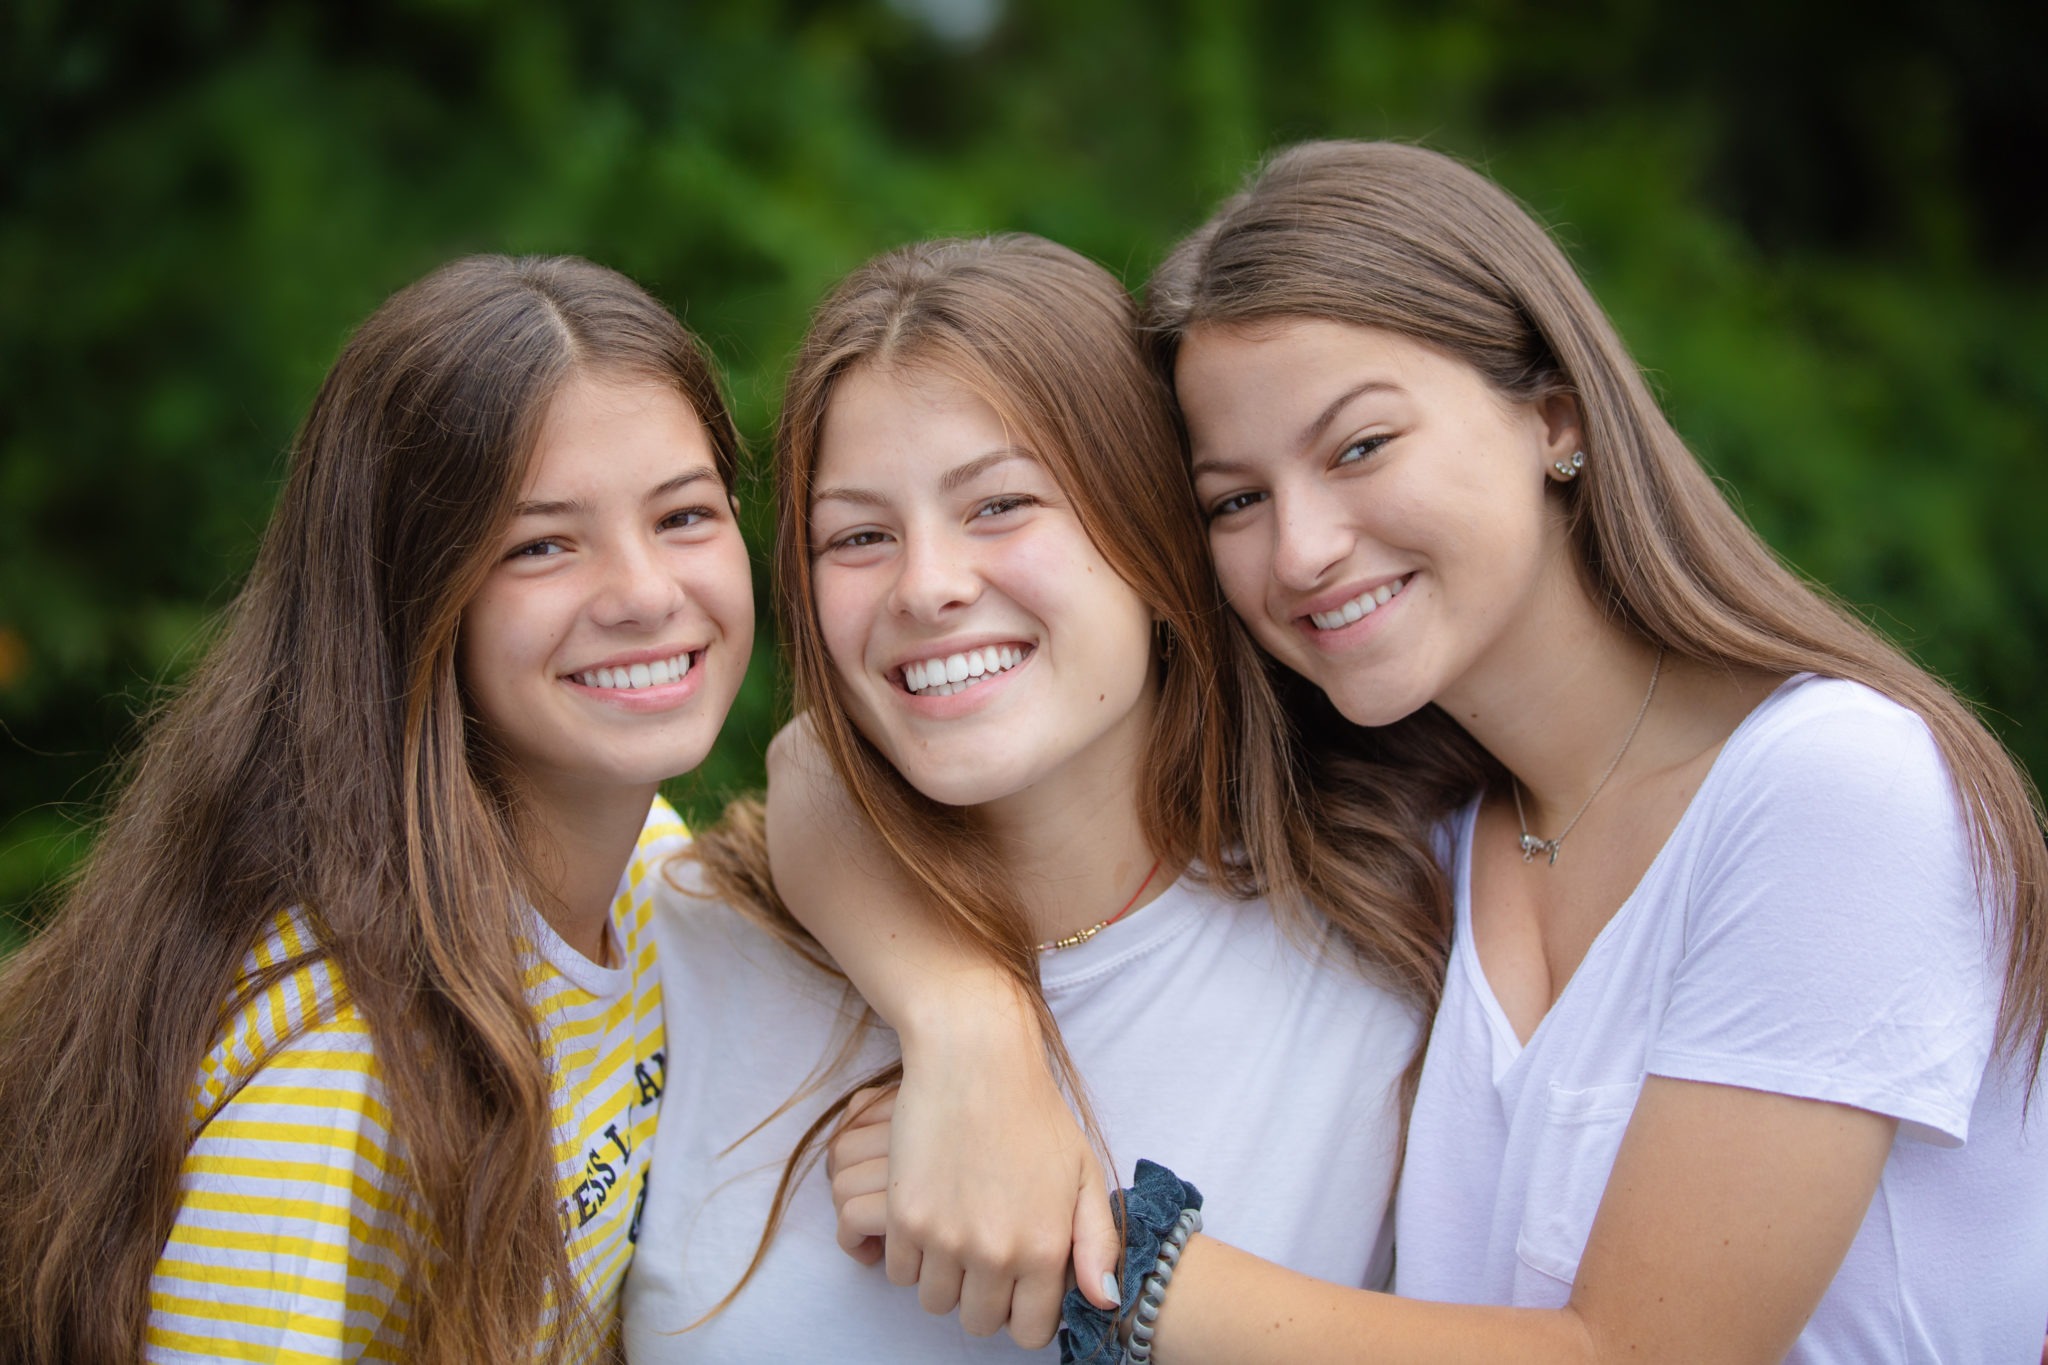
(360, 1270)
(278, 1319)
(325, 1099)
(226, 1348)
(280, 1208)
(296, 1135)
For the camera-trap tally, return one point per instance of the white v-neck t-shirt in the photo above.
(1811, 928)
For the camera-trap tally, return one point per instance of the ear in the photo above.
(1563, 431)
(1561, 439)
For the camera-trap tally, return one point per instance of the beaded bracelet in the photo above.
(1138, 1349)
(1149, 1214)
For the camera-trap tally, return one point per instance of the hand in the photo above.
(857, 1163)
(980, 1182)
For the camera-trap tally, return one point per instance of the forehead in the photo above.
(1239, 380)
(596, 421)
(895, 419)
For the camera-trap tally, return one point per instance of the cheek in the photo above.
(488, 638)
(726, 587)
(1243, 570)
(845, 604)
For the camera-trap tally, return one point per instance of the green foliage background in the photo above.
(1817, 226)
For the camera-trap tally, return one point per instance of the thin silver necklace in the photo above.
(1531, 845)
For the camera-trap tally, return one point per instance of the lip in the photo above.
(939, 649)
(957, 704)
(644, 700)
(639, 656)
(1336, 597)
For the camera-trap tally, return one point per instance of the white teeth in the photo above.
(633, 677)
(942, 677)
(1359, 607)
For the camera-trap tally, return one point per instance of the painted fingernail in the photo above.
(1109, 1287)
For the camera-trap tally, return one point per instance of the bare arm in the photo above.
(990, 1181)
(1727, 1215)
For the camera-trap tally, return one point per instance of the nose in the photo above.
(637, 587)
(1312, 535)
(935, 575)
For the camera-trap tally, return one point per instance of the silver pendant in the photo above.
(1531, 846)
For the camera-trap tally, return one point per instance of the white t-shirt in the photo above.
(1811, 928)
(1266, 1074)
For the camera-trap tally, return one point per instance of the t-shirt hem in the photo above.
(1918, 1119)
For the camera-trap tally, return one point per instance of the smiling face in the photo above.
(1378, 513)
(608, 641)
(981, 642)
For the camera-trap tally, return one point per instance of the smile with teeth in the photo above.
(943, 677)
(632, 677)
(1359, 607)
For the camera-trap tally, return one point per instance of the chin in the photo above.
(960, 784)
(1370, 707)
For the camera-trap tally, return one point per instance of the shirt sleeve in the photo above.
(288, 1239)
(1835, 944)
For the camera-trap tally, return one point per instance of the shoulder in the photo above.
(717, 957)
(663, 836)
(1300, 955)
(663, 833)
(289, 1010)
(1818, 733)
(1841, 763)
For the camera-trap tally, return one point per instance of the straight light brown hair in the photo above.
(1410, 242)
(321, 756)
(1046, 338)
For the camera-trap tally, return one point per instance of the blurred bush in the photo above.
(1818, 230)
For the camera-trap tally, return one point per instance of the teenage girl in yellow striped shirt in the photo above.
(348, 1041)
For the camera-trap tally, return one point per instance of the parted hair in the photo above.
(1411, 242)
(321, 756)
(1046, 338)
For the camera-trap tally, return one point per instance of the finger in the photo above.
(984, 1302)
(864, 1181)
(938, 1283)
(1098, 1246)
(867, 1252)
(855, 1146)
(902, 1259)
(863, 1220)
(1035, 1308)
(873, 1104)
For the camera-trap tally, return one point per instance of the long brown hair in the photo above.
(1046, 338)
(320, 757)
(1411, 242)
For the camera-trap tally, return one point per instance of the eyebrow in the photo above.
(1309, 434)
(570, 506)
(952, 481)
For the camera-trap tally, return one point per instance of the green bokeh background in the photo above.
(1818, 226)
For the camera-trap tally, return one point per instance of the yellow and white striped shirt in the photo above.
(292, 1211)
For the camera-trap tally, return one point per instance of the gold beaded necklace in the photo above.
(1080, 936)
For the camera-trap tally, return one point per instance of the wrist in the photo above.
(976, 1012)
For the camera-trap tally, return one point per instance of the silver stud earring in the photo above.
(1567, 470)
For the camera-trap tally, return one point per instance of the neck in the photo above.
(1074, 844)
(1555, 699)
(580, 843)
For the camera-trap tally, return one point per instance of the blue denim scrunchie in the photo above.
(1151, 1206)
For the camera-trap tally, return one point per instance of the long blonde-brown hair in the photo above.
(1046, 338)
(1411, 242)
(321, 756)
